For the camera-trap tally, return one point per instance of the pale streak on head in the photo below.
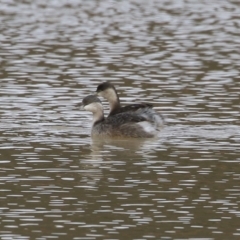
(97, 110)
(111, 96)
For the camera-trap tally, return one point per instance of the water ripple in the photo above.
(56, 182)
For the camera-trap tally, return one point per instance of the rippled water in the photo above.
(58, 183)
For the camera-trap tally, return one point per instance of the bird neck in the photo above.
(98, 116)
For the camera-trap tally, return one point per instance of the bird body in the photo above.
(125, 124)
(109, 92)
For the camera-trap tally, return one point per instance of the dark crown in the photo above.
(90, 99)
(104, 86)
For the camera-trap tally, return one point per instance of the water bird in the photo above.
(109, 92)
(124, 124)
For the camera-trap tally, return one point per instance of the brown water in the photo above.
(56, 183)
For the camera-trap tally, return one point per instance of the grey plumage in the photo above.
(109, 92)
(90, 99)
(126, 124)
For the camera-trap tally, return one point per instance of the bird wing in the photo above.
(125, 117)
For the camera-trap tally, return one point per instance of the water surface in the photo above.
(57, 182)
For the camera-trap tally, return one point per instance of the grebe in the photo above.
(125, 124)
(109, 92)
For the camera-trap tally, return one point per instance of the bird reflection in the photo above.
(109, 154)
(121, 149)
